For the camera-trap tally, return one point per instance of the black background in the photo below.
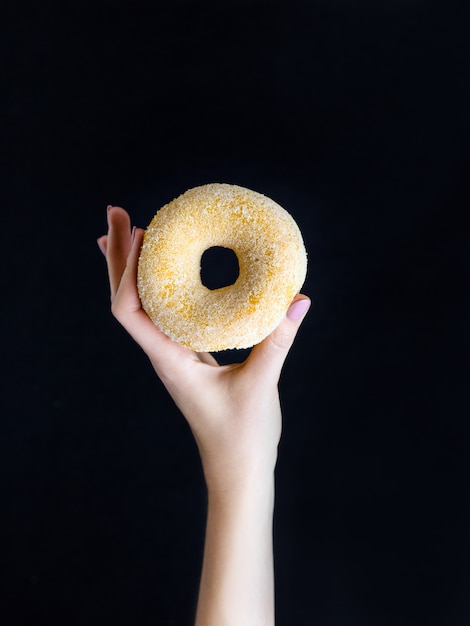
(351, 115)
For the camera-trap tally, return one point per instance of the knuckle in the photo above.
(116, 309)
(281, 338)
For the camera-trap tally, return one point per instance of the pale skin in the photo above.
(235, 416)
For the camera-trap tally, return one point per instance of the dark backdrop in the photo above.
(353, 116)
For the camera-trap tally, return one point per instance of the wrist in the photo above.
(253, 490)
(227, 480)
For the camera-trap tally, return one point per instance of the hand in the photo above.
(232, 410)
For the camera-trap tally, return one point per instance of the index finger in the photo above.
(118, 246)
(167, 356)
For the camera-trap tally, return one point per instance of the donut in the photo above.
(272, 267)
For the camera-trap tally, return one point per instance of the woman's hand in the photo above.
(234, 414)
(232, 410)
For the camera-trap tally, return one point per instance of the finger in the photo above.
(118, 245)
(102, 243)
(267, 358)
(166, 355)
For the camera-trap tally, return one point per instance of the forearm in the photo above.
(237, 582)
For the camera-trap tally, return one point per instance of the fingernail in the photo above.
(132, 235)
(298, 309)
(109, 207)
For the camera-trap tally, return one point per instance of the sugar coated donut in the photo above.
(271, 257)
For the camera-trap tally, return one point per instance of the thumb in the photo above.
(269, 355)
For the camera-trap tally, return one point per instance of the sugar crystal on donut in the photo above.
(272, 267)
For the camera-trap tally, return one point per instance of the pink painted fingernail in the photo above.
(298, 309)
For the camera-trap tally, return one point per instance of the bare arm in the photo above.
(237, 583)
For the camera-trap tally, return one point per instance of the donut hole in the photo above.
(219, 267)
